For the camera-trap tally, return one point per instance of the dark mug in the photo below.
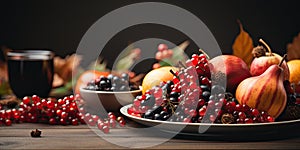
(30, 72)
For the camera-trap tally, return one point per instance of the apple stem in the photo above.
(181, 64)
(283, 58)
(202, 51)
(266, 45)
(174, 74)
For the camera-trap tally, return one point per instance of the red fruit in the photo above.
(58, 112)
(240, 121)
(95, 118)
(64, 115)
(35, 98)
(100, 125)
(8, 122)
(255, 112)
(162, 47)
(186, 120)
(122, 123)
(74, 122)
(242, 115)
(270, 119)
(105, 129)
(264, 92)
(91, 122)
(26, 100)
(52, 121)
(202, 111)
(205, 81)
(63, 121)
(212, 118)
(112, 116)
(230, 106)
(201, 103)
(260, 64)
(235, 69)
(248, 120)
(112, 123)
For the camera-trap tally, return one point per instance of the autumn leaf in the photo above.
(293, 49)
(243, 45)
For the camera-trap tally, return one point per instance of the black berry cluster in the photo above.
(112, 83)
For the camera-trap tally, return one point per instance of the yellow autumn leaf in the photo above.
(243, 45)
(293, 49)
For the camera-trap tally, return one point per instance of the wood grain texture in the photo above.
(82, 137)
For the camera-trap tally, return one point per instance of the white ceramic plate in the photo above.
(255, 131)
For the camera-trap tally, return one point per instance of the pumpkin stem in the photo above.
(283, 58)
(265, 45)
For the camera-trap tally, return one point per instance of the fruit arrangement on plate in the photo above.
(196, 92)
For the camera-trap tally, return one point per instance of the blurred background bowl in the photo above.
(99, 102)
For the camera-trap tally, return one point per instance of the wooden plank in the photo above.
(75, 137)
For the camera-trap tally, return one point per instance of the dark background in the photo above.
(59, 25)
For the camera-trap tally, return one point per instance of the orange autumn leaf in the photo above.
(243, 45)
(293, 49)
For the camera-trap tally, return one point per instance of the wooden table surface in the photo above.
(18, 136)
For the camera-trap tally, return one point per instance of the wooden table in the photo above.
(18, 136)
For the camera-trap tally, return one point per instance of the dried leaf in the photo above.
(293, 49)
(64, 67)
(243, 45)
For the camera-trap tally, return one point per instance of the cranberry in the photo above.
(63, 121)
(26, 100)
(59, 112)
(187, 120)
(248, 120)
(242, 115)
(74, 121)
(162, 47)
(63, 115)
(95, 118)
(35, 98)
(52, 121)
(91, 122)
(105, 129)
(112, 123)
(100, 125)
(254, 112)
(8, 122)
(238, 107)
(202, 111)
(212, 118)
(270, 119)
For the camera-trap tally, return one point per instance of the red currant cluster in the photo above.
(104, 123)
(163, 53)
(227, 110)
(191, 97)
(66, 111)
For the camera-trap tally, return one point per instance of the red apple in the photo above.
(266, 59)
(260, 64)
(235, 69)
